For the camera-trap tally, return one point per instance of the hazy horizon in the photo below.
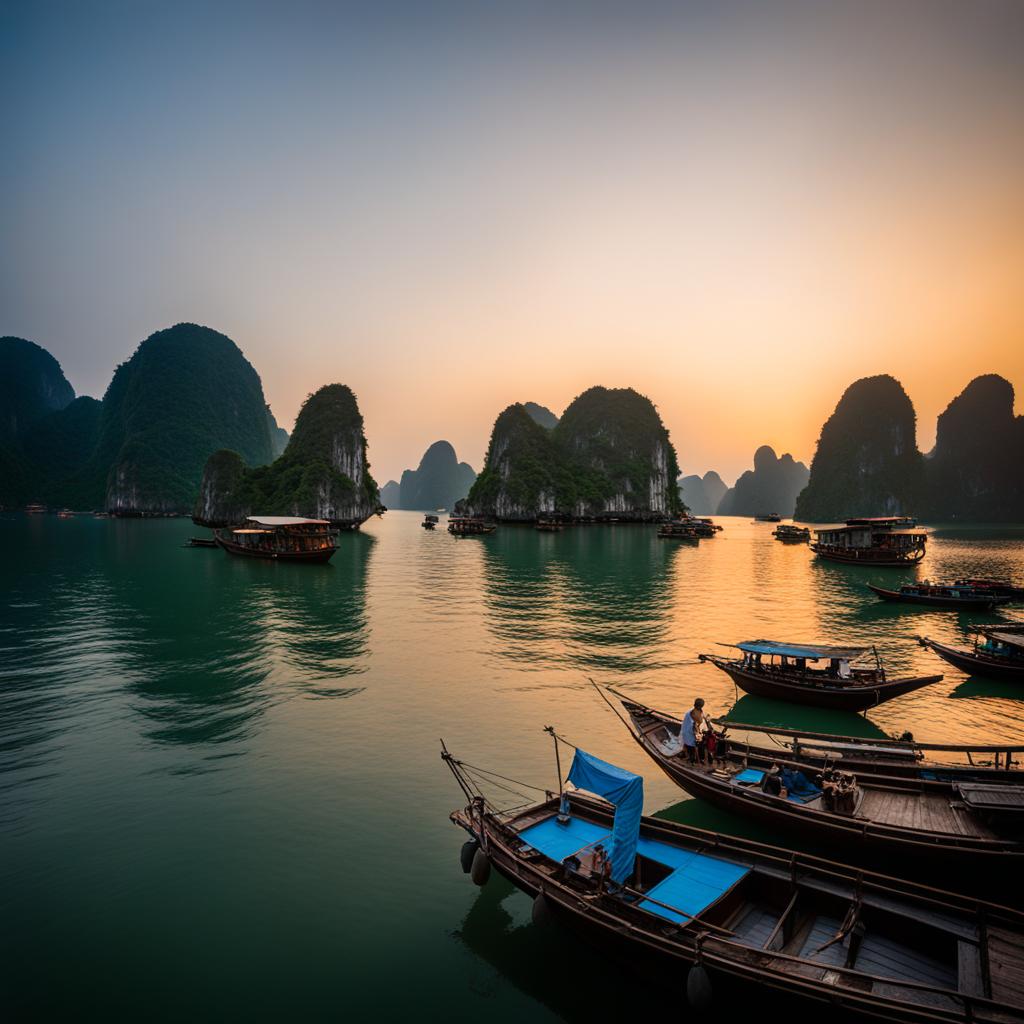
(737, 209)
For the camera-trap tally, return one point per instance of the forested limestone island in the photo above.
(541, 414)
(439, 481)
(771, 486)
(866, 462)
(185, 392)
(976, 470)
(323, 473)
(608, 457)
(702, 494)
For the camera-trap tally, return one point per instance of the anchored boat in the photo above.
(731, 910)
(785, 671)
(1001, 588)
(469, 526)
(679, 530)
(768, 517)
(872, 819)
(429, 522)
(280, 538)
(792, 534)
(937, 595)
(890, 541)
(998, 652)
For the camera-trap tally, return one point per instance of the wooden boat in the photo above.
(876, 542)
(1001, 588)
(429, 522)
(280, 538)
(704, 527)
(678, 530)
(469, 526)
(938, 596)
(768, 517)
(731, 911)
(786, 674)
(550, 524)
(874, 820)
(792, 534)
(998, 653)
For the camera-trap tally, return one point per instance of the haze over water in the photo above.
(220, 790)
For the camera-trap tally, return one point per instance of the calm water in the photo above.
(220, 790)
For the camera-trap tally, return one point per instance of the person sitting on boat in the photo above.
(771, 783)
(692, 732)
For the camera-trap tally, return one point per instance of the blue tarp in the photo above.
(799, 785)
(694, 886)
(626, 791)
(559, 841)
(812, 652)
(749, 775)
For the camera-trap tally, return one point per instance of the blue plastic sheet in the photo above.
(626, 791)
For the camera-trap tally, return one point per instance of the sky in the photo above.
(736, 208)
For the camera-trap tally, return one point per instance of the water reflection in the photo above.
(751, 710)
(589, 598)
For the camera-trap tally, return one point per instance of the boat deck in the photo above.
(927, 812)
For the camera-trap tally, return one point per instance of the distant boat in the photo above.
(998, 652)
(280, 538)
(469, 526)
(36, 510)
(702, 526)
(768, 517)
(768, 668)
(792, 534)
(549, 524)
(940, 596)
(679, 530)
(876, 542)
(429, 522)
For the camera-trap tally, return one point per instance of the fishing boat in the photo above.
(704, 527)
(281, 538)
(430, 521)
(792, 534)
(878, 757)
(469, 526)
(998, 653)
(874, 820)
(1001, 588)
(679, 530)
(783, 671)
(550, 524)
(768, 517)
(881, 542)
(936, 595)
(729, 911)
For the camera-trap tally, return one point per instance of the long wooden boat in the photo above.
(1001, 588)
(468, 526)
(788, 675)
(873, 820)
(709, 912)
(935, 596)
(679, 531)
(792, 534)
(999, 656)
(280, 538)
(768, 517)
(874, 542)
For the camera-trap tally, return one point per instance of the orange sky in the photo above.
(737, 209)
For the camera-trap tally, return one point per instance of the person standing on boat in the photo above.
(693, 730)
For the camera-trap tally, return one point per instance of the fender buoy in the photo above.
(480, 870)
(541, 913)
(469, 848)
(698, 988)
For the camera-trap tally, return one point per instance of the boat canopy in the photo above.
(626, 791)
(812, 652)
(287, 521)
(1010, 639)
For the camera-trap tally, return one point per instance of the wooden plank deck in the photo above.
(922, 812)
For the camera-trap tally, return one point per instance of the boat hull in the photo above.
(929, 601)
(977, 665)
(841, 698)
(864, 557)
(312, 557)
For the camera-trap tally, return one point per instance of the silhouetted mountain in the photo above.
(772, 486)
(439, 482)
(976, 471)
(32, 387)
(541, 414)
(278, 436)
(391, 494)
(867, 462)
(608, 456)
(702, 495)
(323, 473)
(58, 449)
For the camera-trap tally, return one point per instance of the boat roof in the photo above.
(287, 521)
(1010, 639)
(251, 530)
(810, 651)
